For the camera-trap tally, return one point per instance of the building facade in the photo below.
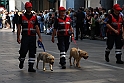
(82, 3)
(108, 4)
(16, 5)
(39, 5)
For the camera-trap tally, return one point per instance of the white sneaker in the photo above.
(105, 38)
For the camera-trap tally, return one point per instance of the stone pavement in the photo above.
(93, 70)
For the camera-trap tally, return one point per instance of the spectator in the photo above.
(15, 20)
(80, 23)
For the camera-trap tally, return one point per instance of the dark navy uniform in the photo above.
(28, 41)
(63, 35)
(115, 22)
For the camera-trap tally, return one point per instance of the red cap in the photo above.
(28, 4)
(117, 7)
(62, 9)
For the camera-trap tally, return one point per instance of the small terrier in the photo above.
(77, 54)
(46, 58)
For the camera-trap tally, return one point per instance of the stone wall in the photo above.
(78, 3)
(19, 4)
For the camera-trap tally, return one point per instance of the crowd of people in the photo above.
(86, 22)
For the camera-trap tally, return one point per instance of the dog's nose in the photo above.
(85, 57)
(52, 63)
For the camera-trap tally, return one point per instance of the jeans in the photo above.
(41, 26)
(103, 30)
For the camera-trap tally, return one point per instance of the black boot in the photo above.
(107, 56)
(21, 63)
(30, 68)
(63, 62)
(119, 61)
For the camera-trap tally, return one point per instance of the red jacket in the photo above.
(116, 24)
(64, 26)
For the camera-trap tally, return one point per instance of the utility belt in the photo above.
(113, 33)
(26, 29)
(64, 32)
(31, 30)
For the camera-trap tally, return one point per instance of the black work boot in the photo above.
(119, 61)
(63, 62)
(30, 68)
(21, 63)
(107, 56)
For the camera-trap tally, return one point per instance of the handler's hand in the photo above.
(18, 40)
(123, 37)
(116, 31)
(52, 39)
(40, 39)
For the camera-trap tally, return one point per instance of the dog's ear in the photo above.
(79, 52)
(85, 53)
(48, 57)
(38, 54)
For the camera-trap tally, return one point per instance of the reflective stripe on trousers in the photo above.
(31, 60)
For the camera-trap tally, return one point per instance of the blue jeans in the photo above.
(41, 26)
(103, 30)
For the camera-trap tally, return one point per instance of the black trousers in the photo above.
(63, 43)
(14, 25)
(28, 44)
(114, 39)
(63, 46)
(117, 40)
(79, 26)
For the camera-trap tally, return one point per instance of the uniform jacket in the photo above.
(28, 26)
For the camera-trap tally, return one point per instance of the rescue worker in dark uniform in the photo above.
(28, 27)
(63, 28)
(114, 34)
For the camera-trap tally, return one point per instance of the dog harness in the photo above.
(28, 27)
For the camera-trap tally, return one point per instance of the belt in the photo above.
(29, 29)
(63, 30)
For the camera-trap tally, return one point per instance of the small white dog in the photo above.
(46, 58)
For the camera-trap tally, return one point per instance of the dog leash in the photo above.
(40, 45)
(72, 39)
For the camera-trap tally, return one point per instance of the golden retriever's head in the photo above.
(50, 59)
(83, 54)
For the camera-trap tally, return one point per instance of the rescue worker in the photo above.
(28, 24)
(63, 28)
(114, 34)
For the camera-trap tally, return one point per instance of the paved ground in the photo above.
(94, 70)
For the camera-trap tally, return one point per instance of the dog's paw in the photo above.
(79, 67)
(44, 69)
(36, 67)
